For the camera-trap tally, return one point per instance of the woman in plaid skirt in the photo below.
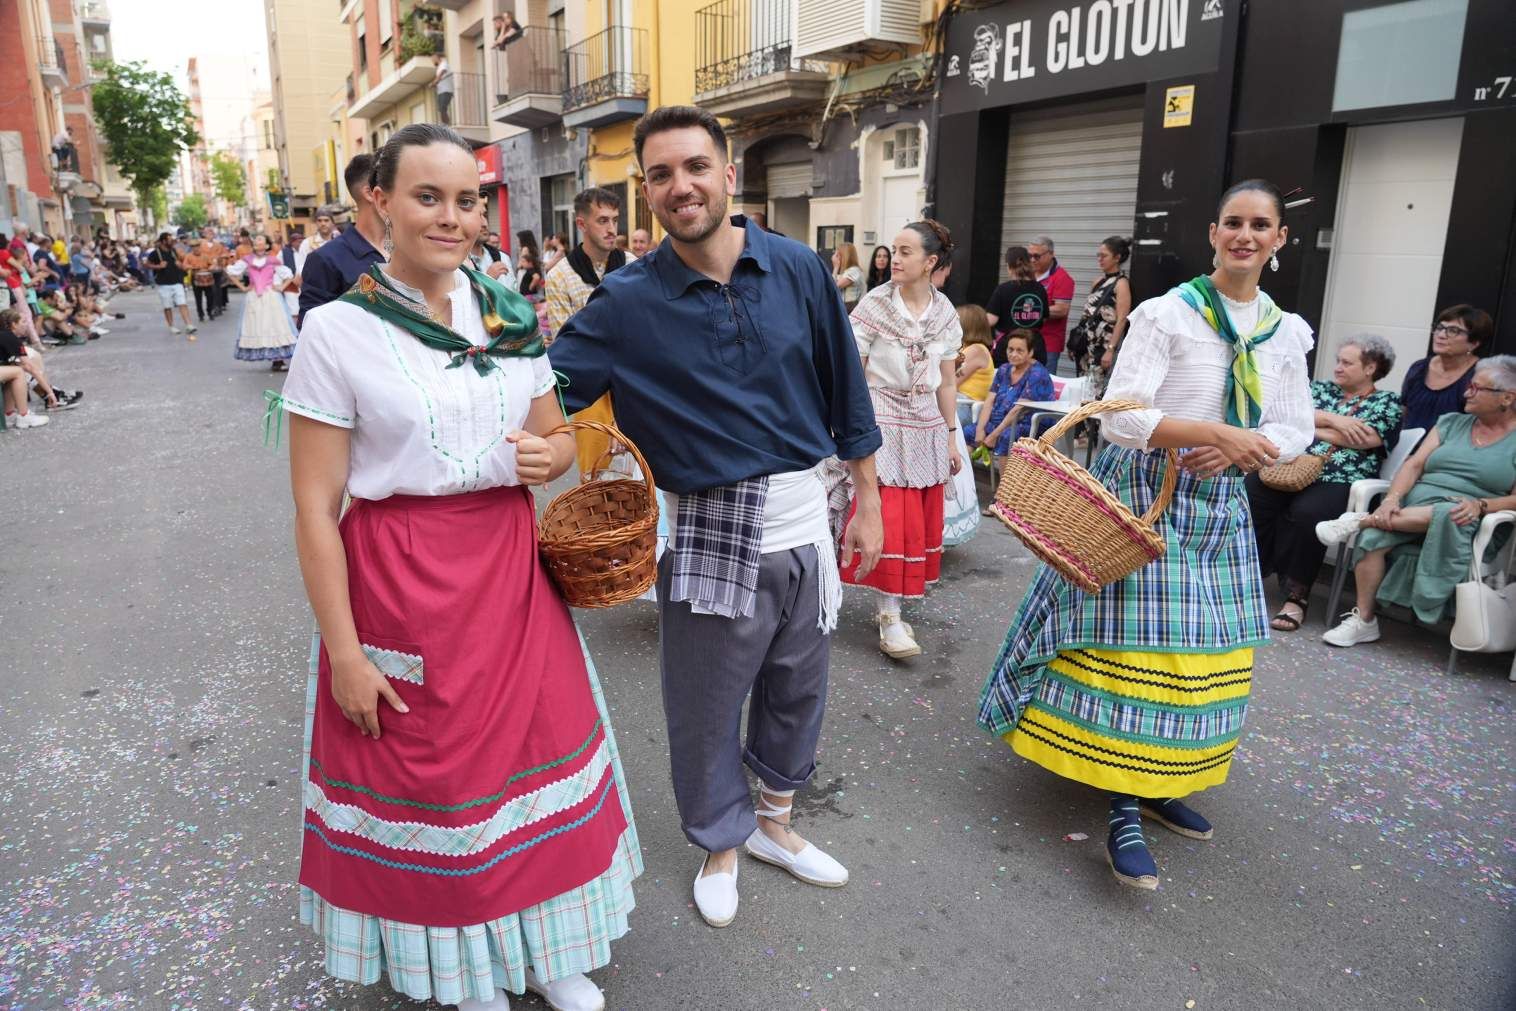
(467, 828)
(909, 337)
(1141, 690)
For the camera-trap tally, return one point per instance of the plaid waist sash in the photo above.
(717, 538)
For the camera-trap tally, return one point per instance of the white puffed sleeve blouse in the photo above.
(1173, 361)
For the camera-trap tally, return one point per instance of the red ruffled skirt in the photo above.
(912, 558)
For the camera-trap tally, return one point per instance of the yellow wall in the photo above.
(311, 54)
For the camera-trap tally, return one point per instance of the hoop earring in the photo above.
(1274, 261)
(389, 240)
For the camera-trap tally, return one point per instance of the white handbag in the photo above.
(1484, 618)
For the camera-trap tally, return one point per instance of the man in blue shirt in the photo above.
(732, 366)
(334, 268)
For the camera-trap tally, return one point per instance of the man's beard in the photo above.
(697, 231)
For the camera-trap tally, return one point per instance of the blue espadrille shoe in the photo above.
(1177, 817)
(1126, 849)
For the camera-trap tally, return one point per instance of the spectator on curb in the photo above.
(13, 352)
(1019, 303)
(1414, 549)
(1436, 385)
(1059, 285)
(1355, 423)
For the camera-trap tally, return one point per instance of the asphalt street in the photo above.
(155, 634)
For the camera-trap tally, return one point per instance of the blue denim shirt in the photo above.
(717, 383)
(334, 268)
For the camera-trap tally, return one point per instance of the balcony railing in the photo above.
(470, 109)
(609, 65)
(532, 65)
(739, 40)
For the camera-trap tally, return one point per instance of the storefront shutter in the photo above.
(789, 180)
(1071, 174)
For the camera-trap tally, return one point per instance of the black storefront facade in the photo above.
(1393, 122)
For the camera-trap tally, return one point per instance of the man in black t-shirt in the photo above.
(168, 276)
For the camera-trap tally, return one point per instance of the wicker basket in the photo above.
(1067, 518)
(599, 539)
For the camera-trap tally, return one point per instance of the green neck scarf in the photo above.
(509, 319)
(1244, 387)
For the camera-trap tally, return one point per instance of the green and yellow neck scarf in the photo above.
(509, 319)
(1244, 388)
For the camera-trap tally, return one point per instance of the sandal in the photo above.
(1282, 622)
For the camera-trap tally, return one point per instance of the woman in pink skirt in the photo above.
(467, 829)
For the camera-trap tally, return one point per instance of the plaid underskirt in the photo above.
(1203, 596)
(567, 934)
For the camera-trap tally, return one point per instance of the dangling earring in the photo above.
(389, 240)
(1274, 261)
(1216, 261)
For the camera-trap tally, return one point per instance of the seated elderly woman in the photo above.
(1417, 545)
(1354, 425)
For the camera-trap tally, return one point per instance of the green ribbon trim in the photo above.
(1244, 388)
(509, 319)
(273, 417)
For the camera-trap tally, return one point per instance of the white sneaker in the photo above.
(33, 420)
(897, 640)
(1352, 630)
(500, 1002)
(1334, 532)
(716, 896)
(571, 993)
(810, 865)
(174, 330)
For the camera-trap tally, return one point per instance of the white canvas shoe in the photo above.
(500, 1002)
(897, 640)
(1352, 630)
(810, 865)
(1334, 532)
(35, 419)
(716, 896)
(571, 993)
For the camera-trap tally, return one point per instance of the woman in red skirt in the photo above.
(466, 824)
(909, 337)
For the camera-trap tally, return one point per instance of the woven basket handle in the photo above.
(615, 434)
(1090, 409)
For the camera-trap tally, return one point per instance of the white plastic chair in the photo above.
(1361, 496)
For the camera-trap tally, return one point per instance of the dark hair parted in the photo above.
(595, 196)
(358, 173)
(936, 240)
(1119, 246)
(1263, 186)
(387, 158)
(1019, 262)
(1476, 321)
(678, 117)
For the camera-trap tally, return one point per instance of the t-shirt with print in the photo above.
(1018, 305)
(1380, 410)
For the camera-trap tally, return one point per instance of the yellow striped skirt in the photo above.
(1149, 724)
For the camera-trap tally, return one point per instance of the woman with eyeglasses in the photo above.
(1414, 549)
(1435, 385)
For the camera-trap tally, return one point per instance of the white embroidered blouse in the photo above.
(419, 428)
(1172, 360)
(889, 363)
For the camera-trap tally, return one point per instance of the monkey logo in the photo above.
(985, 57)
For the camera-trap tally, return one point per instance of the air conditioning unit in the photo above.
(840, 29)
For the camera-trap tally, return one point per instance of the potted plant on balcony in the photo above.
(421, 32)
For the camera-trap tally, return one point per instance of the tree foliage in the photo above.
(230, 177)
(145, 121)
(192, 213)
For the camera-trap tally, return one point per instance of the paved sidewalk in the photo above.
(154, 642)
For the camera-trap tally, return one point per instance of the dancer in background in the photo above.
(908, 335)
(266, 331)
(1140, 690)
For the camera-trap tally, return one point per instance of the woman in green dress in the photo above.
(1416, 547)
